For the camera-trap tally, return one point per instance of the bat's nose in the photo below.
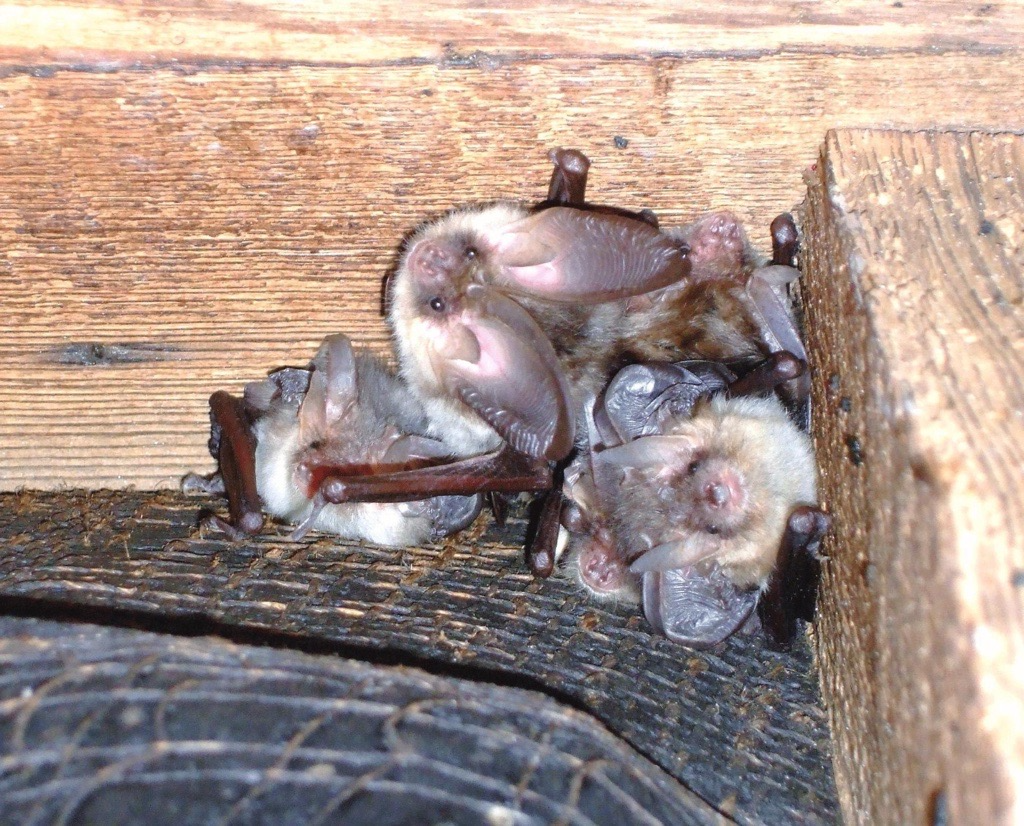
(724, 491)
(717, 494)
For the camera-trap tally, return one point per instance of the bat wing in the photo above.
(449, 514)
(696, 606)
(572, 255)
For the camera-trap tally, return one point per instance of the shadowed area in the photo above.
(741, 727)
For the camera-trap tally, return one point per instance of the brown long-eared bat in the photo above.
(698, 498)
(508, 321)
(345, 413)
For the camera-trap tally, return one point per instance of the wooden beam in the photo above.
(120, 33)
(164, 234)
(914, 281)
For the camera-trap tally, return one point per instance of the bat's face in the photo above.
(462, 339)
(432, 309)
(718, 487)
(711, 493)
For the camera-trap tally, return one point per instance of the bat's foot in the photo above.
(792, 589)
(777, 369)
(249, 525)
(540, 547)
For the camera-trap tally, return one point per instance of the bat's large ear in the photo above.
(333, 387)
(695, 606)
(770, 312)
(574, 255)
(642, 397)
(503, 366)
(647, 452)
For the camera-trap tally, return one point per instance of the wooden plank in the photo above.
(166, 234)
(740, 726)
(914, 284)
(110, 34)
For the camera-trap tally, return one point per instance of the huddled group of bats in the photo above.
(647, 385)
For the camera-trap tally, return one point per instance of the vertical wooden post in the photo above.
(914, 281)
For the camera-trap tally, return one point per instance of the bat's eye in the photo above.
(471, 253)
(694, 466)
(712, 529)
(437, 304)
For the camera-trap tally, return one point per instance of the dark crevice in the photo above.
(480, 60)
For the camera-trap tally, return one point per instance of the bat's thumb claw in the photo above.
(334, 490)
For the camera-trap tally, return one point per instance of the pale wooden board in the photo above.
(225, 220)
(382, 32)
(914, 281)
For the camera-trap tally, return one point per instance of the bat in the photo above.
(698, 499)
(507, 320)
(345, 413)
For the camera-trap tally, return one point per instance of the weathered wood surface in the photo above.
(105, 725)
(740, 726)
(914, 278)
(381, 32)
(186, 207)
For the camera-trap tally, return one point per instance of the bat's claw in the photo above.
(249, 525)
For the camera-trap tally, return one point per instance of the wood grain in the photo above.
(108, 34)
(167, 233)
(914, 286)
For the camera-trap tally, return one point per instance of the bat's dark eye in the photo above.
(437, 304)
(471, 252)
(712, 529)
(694, 466)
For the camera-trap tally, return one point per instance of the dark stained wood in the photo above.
(740, 726)
(914, 280)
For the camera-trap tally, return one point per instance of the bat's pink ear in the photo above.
(648, 452)
(333, 387)
(575, 255)
(511, 377)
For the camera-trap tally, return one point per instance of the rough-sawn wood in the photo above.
(178, 219)
(914, 280)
